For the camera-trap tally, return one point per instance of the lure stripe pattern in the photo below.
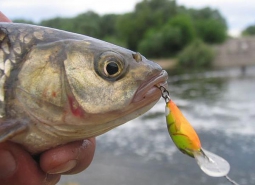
(181, 132)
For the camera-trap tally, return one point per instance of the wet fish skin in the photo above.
(54, 86)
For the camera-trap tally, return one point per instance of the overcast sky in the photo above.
(238, 13)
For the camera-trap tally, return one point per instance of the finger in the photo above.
(68, 159)
(18, 167)
(3, 18)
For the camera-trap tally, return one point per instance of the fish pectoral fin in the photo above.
(11, 128)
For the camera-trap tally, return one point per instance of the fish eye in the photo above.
(110, 65)
(111, 68)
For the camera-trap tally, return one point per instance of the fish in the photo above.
(57, 87)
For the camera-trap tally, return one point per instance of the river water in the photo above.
(221, 107)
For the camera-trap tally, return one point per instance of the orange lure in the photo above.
(187, 141)
(180, 130)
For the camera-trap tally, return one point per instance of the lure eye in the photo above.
(111, 68)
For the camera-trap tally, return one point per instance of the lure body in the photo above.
(180, 130)
(188, 142)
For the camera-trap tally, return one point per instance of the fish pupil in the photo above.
(112, 68)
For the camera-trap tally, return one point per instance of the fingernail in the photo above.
(7, 164)
(64, 167)
(51, 179)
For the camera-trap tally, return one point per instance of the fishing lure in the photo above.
(187, 141)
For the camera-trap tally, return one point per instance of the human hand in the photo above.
(18, 167)
(3, 18)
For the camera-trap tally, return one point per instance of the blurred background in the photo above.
(208, 49)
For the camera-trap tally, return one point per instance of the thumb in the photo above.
(17, 167)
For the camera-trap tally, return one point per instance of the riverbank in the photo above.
(235, 52)
(167, 63)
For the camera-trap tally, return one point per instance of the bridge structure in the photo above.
(235, 52)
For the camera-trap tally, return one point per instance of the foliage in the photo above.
(211, 31)
(210, 26)
(115, 40)
(250, 30)
(108, 25)
(157, 28)
(168, 40)
(22, 21)
(87, 23)
(126, 29)
(59, 23)
(148, 14)
(186, 31)
(196, 55)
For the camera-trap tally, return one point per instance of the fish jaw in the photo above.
(149, 89)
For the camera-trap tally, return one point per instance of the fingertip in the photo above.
(62, 168)
(3, 18)
(85, 155)
(51, 179)
(70, 158)
(8, 164)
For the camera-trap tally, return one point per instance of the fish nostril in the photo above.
(137, 56)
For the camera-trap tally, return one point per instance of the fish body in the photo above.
(182, 133)
(57, 87)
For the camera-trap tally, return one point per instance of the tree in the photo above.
(87, 23)
(148, 14)
(211, 31)
(196, 55)
(169, 39)
(108, 25)
(210, 25)
(157, 28)
(59, 23)
(250, 30)
(23, 21)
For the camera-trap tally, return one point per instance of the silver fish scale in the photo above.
(14, 44)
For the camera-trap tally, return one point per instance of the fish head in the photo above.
(110, 84)
(84, 88)
(110, 78)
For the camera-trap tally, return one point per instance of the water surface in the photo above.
(221, 107)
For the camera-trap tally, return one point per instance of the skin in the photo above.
(18, 167)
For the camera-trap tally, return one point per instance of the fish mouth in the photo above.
(150, 89)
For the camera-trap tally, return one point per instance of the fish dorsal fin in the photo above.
(11, 128)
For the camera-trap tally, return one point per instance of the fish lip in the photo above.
(150, 89)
